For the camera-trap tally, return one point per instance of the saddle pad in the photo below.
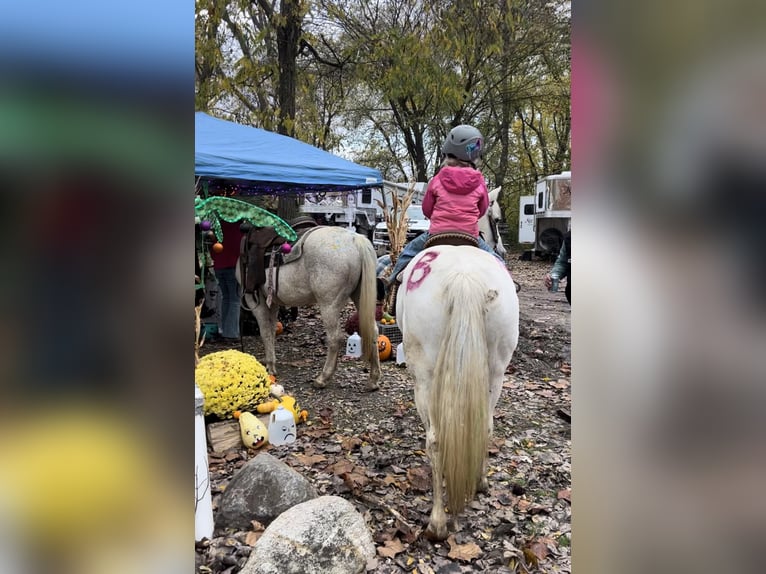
(297, 249)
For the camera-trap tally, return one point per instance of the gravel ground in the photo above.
(368, 448)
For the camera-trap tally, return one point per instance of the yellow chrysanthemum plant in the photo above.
(231, 381)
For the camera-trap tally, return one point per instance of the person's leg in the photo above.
(410, 250)
(231, 306)
(484, 246)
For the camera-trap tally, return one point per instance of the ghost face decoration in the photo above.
(354, 346)
(281, 426)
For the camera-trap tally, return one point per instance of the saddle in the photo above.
(456, 238)
(302, 224)
(252, 256)
(260, 252)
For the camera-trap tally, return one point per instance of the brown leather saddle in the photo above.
(253, 260)
(260, 250)
(451, 238)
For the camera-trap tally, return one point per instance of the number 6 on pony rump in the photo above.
(459, 314)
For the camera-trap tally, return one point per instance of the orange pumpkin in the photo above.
(384, 347)
(280, 327)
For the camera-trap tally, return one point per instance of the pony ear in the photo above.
(494, 193)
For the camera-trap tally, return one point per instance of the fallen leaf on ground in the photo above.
(565, 494)
(560, 384)
(466, 552)
(350, 442)
(388, 480)
(252, 537)
(309, 459)
(317, 432)
(301, 363)
(391, 548)
(342, 467)
(522, 504)
(535, 551)
(355, 479)
(420, 478)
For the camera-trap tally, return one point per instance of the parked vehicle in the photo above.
(355, 209)
(416, 224)
(545, 218)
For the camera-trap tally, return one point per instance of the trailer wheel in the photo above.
(550, 241)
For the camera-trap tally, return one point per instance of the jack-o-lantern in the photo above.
(384, 347)
(280, 327)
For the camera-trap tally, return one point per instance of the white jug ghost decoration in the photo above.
(400, 359)
(354, 346)
(281, 426)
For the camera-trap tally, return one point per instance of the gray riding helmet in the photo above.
(464, 142)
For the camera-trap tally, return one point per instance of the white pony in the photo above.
(336, 265)
(459, 315)
(488, 223)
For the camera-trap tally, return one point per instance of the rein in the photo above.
(493, 224)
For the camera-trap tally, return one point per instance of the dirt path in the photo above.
(368, 448)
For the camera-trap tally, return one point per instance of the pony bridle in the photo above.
(493, 224)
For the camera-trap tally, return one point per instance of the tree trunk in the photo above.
(287, 208)
(288, 39)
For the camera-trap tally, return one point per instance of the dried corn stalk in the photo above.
(396, 220)
(197, 329)
(396, 223)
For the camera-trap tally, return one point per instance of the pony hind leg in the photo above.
(495, 388)
(373, 381)
(437, 523)
(267, 325)
(331, 320)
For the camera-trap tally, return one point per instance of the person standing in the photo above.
(562, 268)
(224, 266)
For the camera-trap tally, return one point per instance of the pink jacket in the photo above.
(455, 200)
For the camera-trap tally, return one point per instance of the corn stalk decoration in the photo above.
(198, 341)
(397, 220)
(396, 224)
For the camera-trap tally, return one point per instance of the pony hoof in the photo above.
(319, 384)
(483, 485)
(435, 535)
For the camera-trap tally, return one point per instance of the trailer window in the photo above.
(540, 200)
(529, 209)
(367, 196)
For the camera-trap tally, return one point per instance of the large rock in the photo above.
(261, 490)
(323, 536)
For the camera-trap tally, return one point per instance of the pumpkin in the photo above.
(280, 327)
(384, 347)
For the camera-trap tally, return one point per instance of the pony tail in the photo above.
(459, 412)
(368, 328)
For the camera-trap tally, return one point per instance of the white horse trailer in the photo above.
(549, 212)
(527, 219)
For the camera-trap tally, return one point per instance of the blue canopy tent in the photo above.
(236, 159)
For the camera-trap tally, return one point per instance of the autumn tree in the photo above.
(384, 80)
